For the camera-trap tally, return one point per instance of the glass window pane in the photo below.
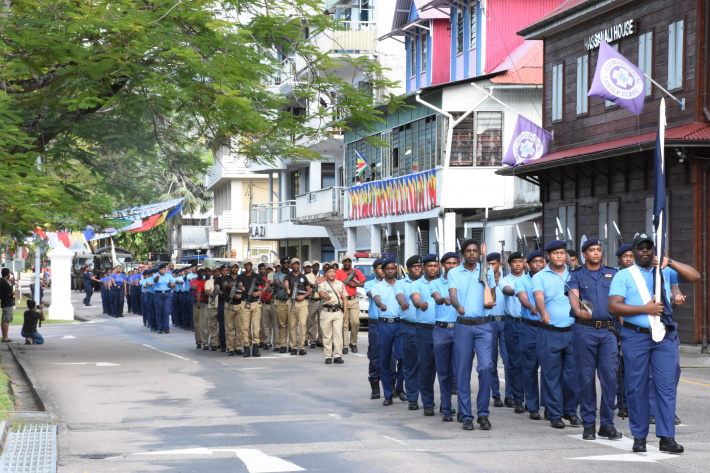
(462, 142)
(489, 138)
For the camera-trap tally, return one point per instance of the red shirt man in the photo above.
(358, 280)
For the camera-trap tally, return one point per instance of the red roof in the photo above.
(693, 131)
(567, 5)
(523, 66)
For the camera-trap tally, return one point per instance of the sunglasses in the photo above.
(645, 247)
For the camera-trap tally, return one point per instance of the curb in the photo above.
(37, 391)
(5, 429)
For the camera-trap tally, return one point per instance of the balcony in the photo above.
(227, 168)
(356, 37)
(277, 221)
(231, 222)
(320, 207)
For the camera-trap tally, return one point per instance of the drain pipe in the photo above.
(705, 258)
(706, 112)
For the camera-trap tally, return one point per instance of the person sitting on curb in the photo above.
(29, 327)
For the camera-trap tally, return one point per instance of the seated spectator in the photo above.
(29, 328)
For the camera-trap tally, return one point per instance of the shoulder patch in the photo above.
(608, 276)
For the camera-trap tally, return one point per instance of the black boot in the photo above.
(247, 352)
(375, 385)
(255, 351)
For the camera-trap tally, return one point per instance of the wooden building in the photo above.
(599, 168)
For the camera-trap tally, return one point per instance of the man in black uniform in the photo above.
(253, 285)
(218, 282)
(298, 307)
(233, 312)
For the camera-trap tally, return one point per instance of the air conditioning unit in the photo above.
(264, 259)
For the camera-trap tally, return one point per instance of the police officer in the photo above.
(530, 320)
(498, 319)
(149, 285)
(298, 307)
(512, 329)
(595, 343)
(555, 343)
(335, 302)
(472, 333)
(104, 293)
(357, 279)
(408, 330)
(251, 308)
(266, 308)
(281, 305)
(233, 312)
(218, 285)
(314, 304)
(631, 297)
(164, 283)
(625, 256)
(443, 336)
(210, 332)
(118, 291)
(373, 349)
(88, 286)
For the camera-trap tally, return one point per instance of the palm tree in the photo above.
(192, 190)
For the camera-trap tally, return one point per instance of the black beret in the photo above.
(590, 242)
(164, 265)
(470, 241)
(389, 260)
(623, 249)
(556, 245)
(430, 258)
(450, 254)
(261, 265)
(493, 257)
(534, 254)
(377, 262)
(416, 259)
(285, 260)
(515, 255)
(224, 266)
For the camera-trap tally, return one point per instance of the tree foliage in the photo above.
(104, 92)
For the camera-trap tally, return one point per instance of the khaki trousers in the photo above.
(210, 329)
(265, 323)
(331, 326)
(314, 322)
(199, 317)
(297, 319)
(282, 310)
(353, 316)
(233, 327)
(251, 323)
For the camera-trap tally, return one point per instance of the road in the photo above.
(129, 400)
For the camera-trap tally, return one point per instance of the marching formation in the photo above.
(570, 324)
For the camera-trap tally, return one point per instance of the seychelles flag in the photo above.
(361, 164)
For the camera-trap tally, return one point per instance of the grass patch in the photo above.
(7, 402)
(19, 319)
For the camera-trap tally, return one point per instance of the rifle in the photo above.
(538, 241)
(561, 232)
(232, 294)
(570, 242)
(503, 260)
(521, 248)
(294, 294)
(605, 245)
(350, 277)
(436, 233)
(618, 233)
(217, 291)
(399, 268)
(247, 304)
(483, 274)
(420, 242)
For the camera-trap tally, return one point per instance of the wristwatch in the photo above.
(670, 261)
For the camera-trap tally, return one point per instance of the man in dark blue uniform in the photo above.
(373, 349)
(408, 330)
(88, 285)
(625, 258)
(498, 318)
(595, 343)
(512, 332)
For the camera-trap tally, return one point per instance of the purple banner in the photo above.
(529, 143)
(616, 79)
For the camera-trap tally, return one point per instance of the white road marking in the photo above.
(255, 368)
(337, 416)
(184, 451)
(357, 354)
(97, 363)
(68, 336)
(168, 353)
(625, 444)
(256, 461)
(394, 440)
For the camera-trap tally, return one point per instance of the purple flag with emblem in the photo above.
(529, 143)
(616, 79)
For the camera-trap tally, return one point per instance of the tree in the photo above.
(97, 89)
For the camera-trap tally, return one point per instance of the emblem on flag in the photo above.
(616, 79)
(529, 143)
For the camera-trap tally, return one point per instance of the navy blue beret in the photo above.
(623, 249)
(515, 255)
(430, 258)
(450, 254)
(164, 265)
(493, 257)
(590, 242)
(468, 242)
(224, 266)
(534, 254)
(389, 260)
(414, 260)
(377, 262)
(556, 245)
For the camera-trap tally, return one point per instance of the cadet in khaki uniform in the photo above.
(233, 313)
(281, 305)
(253, 285)
(199, 311)
(210, 329)
(332, 316)
(314, 304)
(297, 283)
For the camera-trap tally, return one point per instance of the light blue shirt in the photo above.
(424, 289)
(444, 313)
(373, 311)
(405, 288)
(624, 285)
(388, 297)
(557, 303)
(524, 284)
(469, 291)
(118, 279)
(163, 281)
(512, 303)
(499, 308)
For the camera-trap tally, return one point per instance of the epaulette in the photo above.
(576, 269)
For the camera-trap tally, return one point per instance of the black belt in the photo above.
(161, 292)
(282, 300)
(636, 328)
(426, 326)
(118, 285)
(251, 300)
(515, 319)
(553, 328)
(599, 324)
(332, 308)
(313, 299)
(532, 323)
(391, 320)
(445, 324)
(372, 321)
(407, 322)
(352, 297)
(473, 320)
(497, 318)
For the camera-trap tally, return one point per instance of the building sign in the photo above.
(217, 238)
(611, 34)
(257, 231)
(410, 194)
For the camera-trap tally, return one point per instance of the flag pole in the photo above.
(660, 231)
(681, 101)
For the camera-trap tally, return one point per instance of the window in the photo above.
(557, 91)
(423, 39)
(582, 84)
(478, 137)
(615, 47)
(608, 214)
(676, 43)
(473, 28)
(646, 58)
(327, 175)
(568, 220)
(459, 31)
(412, 57)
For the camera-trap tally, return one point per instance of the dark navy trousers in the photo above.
(373, 352)
(555, 351)
(152, 320)
(220, 321)
(105, 300)
(89, 292)
(175, 310)
(651, 390)
(529, 367)
(445, 360)
(641, 352)
(163, 303)
(514, 369)
(390, 347)
(185, 309)
(410, 360)
(117, 299)
(498, 344)
(473, 341)
(596, 354)
(427, 366)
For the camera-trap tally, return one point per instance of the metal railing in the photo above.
(231, 221)
(227, 167)
(275, 212)
(323, 204)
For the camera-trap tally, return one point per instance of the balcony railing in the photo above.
(227, 167)
(357, 36)
(231, 221)
(274, 212)
(319, 206)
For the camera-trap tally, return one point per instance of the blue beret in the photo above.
(430, 258)
(515, 255)
(389, 260)
(534, 254)
(377, 262)
(493, 257)
(590, 242)
(556, 245)
(413, 260)
(623, 249)
(450, 254)
(164, 265)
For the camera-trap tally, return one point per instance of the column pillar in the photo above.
(376, 238)
(61, 307)
(352, 240)
(271, 187)
(410, 240)
(449, 232)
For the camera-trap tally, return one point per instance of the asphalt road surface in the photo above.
(128, 400)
